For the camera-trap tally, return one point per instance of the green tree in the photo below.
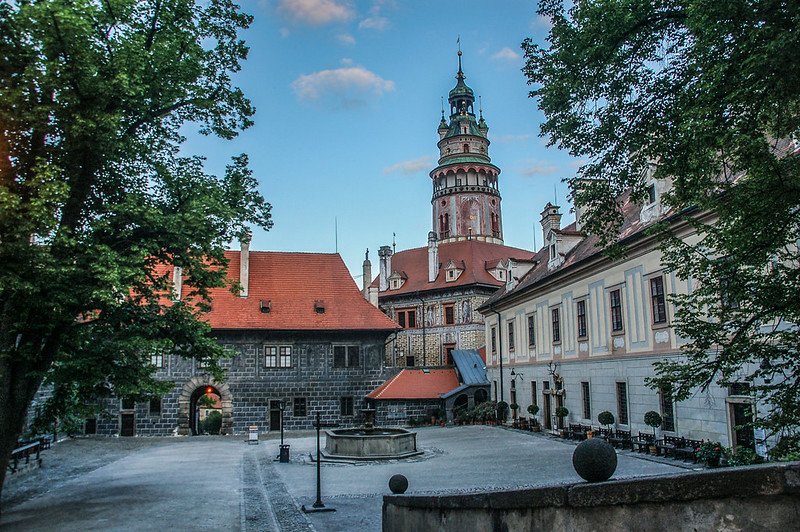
(95, 196)
(705, 97)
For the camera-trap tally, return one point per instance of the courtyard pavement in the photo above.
(222, 483)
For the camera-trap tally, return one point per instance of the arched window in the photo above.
(466, 148)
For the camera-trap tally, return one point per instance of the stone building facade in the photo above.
(304, 339)
(432, 292)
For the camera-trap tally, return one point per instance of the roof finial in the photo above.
(460, 72)
(480, 107)
(442, 107)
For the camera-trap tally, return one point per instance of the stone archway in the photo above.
(185, 399)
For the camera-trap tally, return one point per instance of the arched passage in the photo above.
(481, 396)
(187, 403)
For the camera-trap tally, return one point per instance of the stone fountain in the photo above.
(369, 442)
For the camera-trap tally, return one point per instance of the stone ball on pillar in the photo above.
(594, 460)
(398, 484)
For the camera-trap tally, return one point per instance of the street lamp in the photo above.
(283, 455)
(514, 376)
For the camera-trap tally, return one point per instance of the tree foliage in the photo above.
(703, 97)
(96, 195)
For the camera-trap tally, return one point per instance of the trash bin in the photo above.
(252, 437)
(284, 456)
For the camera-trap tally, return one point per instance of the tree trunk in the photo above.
(18, 385)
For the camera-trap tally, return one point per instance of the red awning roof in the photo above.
(417, 384)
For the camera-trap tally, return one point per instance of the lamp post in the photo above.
(283, 455)
(318, 505)
(514, 376)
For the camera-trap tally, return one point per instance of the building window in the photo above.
(622, 403)
(532, 331)
(657, 298)
(556, 325)
(299, 409)
(203, 363)
(587, 402)
(345, 356)
(510, 325)
(581, 313)
(157, 360)
(277, 357)
(407, 318)
(651, 194)
(155, 407)
(494, 341)
(410, 361)
(449, 314)
(616, 310)
(346, 406)
(667, 410)
(534, 400)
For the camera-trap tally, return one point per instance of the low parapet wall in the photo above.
(765, 497)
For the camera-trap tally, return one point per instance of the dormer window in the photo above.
(651, 194)
(396, 280)
(552, 251)
(451, 274)
(319, 306)
(266, 306)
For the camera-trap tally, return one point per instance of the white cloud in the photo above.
(411, 166)
(506, 54)
(316, 12)
(541, 168)
(505, 139)
(349, 85)
(346, 61)
(374, 23)
(346, 38)
(541, 22)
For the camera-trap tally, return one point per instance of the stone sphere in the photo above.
(594, 460)
(398, 484)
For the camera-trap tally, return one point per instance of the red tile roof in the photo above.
(417, 384)
(471, 255)
(294, 283)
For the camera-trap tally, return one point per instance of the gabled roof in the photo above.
(293, 283)
(473, 254)
(470, 366)
(417, 384)
(588, 247)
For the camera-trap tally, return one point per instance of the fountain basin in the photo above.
(370, 443)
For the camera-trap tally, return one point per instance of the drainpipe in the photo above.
(499, 348)
(424, 343)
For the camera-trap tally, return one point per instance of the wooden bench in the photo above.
(24, 452)
(642, 442)
(667, 445)
(687, 449)
(621, 438)
(603, 434)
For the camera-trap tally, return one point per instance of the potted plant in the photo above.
(710, 452)
(502, 411)
(561, 413)
(653, 419)
(605, 418)
(514, 407)
(533, 410)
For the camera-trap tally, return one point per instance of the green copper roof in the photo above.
(464, 158)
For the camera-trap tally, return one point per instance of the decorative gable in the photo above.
(397, 280)
(453, 270)
(498, 269)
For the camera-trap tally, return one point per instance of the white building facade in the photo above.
(583, 331)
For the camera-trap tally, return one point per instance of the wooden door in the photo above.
(274, 415)
(127, 425)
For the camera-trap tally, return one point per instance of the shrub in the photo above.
(710, 452)
(533, 409)
(561, 411)
(605, 418)
(502, 410)
(213, 422)
(653, 419)
(744, 456)
(514, 406)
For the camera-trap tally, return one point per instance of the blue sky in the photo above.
(348, 98)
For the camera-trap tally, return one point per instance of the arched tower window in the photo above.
(466, 148)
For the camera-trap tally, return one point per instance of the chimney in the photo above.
(576, 186)
(177, 283)
(551, 219)
(385, 256)
(244, 265)
(433, 257)
(366, 278)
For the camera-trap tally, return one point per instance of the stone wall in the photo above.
(763, 497)
(249, 386)
(397, 413)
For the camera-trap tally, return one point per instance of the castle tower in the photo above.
(466, 198)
